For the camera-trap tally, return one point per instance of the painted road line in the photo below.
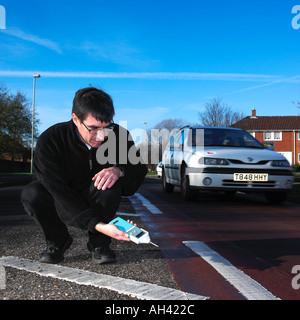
(138, 289)
(2, 278)
(152, 208)
(248, 287)
(127, 214)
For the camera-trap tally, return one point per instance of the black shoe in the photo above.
(55, 254)
(102, 254)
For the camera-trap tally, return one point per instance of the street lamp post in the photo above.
(35, 75)
(146, 134)
(145, 123)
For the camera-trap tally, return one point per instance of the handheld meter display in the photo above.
(136, 234)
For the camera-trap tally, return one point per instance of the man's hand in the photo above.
(112, 231)
(106, 178)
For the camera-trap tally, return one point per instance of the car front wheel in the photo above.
(274, 197)
(167, 187)
(187, 193)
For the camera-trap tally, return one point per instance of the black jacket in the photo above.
(65, 166)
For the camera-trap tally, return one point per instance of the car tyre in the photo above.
(187, 193)
(167, 187)
(274, 197)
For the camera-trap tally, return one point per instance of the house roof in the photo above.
(282, 123)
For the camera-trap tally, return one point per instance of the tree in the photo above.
(15, 123)
(4, 101)
(159, 136)
(162, 132)
(297, 104)
(170, 124)
(219, 114)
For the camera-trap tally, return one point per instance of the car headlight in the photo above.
(280, 163)
(214, 161)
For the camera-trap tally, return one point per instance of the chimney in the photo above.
(253, 113)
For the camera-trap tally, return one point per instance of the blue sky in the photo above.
(158, 59)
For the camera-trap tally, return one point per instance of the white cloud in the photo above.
(117, 52)
(155, 75)
(34, 39)
(294, 79)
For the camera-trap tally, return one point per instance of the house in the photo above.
(283, 132)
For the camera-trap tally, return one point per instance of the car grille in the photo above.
(248, 184)
(224, 170)
(249, 163)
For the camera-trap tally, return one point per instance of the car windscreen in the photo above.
(219, 137)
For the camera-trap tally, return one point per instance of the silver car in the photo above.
(223, 159)
(159, 169)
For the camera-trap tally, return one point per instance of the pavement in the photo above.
(22, 277)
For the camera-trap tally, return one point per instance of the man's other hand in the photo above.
(106, 178)
(112, 231)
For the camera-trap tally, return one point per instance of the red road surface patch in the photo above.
(192, 273)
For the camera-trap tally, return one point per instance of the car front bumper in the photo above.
(209, 178)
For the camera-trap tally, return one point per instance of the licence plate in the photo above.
(250, 177)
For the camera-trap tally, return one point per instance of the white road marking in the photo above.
(248, 287)
(127, 214)
(152, 208)
(138, 289)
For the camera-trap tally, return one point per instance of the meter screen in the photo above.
(140, 234)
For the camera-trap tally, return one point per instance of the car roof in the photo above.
(210, 127)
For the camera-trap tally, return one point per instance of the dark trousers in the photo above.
(40, 204)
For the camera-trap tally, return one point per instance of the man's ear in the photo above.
(75, 119)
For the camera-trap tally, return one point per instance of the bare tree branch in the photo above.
(218, 114)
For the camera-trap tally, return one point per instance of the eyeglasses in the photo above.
(95, 130)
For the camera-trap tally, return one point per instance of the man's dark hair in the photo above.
(94, 101)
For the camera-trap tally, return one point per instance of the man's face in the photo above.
(92, 138)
